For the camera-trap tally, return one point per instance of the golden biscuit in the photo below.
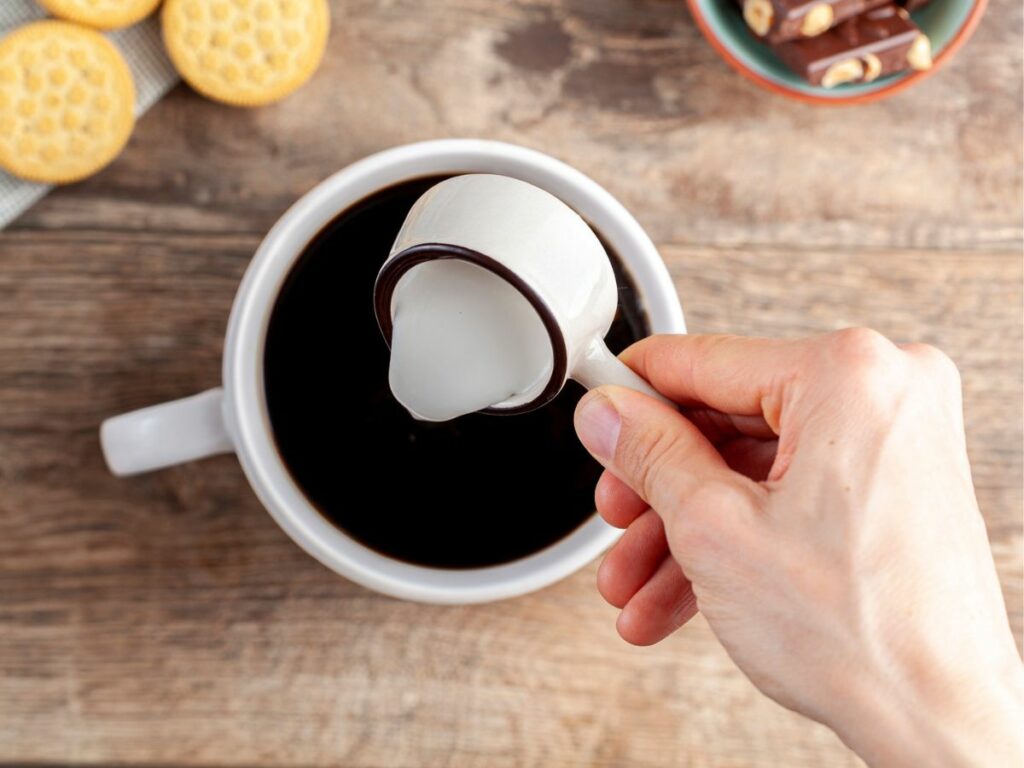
(67, 102)
(102, 14)
(246, 52)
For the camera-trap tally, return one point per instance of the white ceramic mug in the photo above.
(538, 245)
(235, 418)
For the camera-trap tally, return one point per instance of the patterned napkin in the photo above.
(154, 76)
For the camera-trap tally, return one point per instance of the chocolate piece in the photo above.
(776, 21)
(879, 42)
(913, 5)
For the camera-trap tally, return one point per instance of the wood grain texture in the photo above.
(166, 620)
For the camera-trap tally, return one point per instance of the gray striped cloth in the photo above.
(154, 76)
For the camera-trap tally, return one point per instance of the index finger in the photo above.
(733, 374)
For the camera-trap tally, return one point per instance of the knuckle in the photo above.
(936, 363)
(861, 347)
(870, 365)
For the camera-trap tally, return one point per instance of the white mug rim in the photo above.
(245, 403)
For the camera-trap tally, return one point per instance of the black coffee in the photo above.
(477, 491)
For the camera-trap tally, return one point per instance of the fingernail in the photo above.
(597, 424)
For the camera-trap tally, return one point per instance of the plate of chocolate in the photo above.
(836, 51)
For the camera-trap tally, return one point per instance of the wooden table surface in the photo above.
(166, 619)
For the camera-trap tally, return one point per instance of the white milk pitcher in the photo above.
(494, 294)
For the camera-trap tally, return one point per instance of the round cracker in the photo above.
(246, 52)
(101, 14)
(67, 102)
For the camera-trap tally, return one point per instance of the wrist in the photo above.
(938, 722)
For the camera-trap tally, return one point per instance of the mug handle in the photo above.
(598, 366)
(166, 434)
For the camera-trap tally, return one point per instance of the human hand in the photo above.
(814, 500)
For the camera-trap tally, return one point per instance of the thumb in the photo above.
(654, 449)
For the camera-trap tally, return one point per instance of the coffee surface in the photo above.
(480, 490)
